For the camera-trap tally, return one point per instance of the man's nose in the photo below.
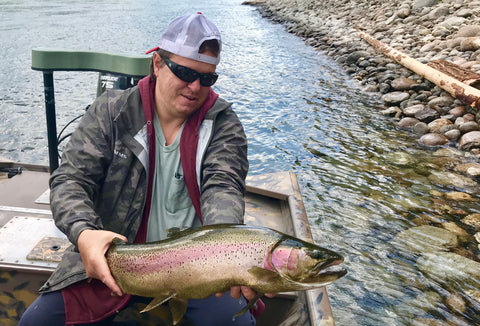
(195, 85)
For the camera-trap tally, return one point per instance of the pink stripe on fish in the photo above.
(166, 260)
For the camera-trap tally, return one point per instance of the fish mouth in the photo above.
(329, 268)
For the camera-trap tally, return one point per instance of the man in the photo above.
(166, 153)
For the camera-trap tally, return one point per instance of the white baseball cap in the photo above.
(185, 34)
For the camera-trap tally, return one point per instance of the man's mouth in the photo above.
(190, 98)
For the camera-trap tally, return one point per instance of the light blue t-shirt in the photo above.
(171, 205)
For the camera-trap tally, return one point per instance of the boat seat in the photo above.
(118, 67)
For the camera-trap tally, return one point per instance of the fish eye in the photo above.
(316, 254)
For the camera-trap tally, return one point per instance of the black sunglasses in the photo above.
(189, 75)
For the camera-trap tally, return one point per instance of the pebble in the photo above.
(433, 139)
(395, 97)
(436, 125)
(420, 128)
(458, 196)
(469, 140)
(456, 303)
(408, 122)
(472, 220)
(412, 110)
(427, 238)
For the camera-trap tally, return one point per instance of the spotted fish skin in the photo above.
(197, 263)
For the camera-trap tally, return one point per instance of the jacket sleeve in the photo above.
(77, 181)
(225, 168)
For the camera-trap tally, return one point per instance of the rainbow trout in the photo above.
(196, 263)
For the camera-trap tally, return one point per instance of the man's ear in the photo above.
(157, 63)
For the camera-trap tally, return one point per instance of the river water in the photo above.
(363, 181)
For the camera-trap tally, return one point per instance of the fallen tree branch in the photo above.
(456, 88)
(464, 75)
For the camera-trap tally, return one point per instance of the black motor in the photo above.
(114, 81)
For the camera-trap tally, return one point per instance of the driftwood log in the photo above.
(464, 75)
(456, 88)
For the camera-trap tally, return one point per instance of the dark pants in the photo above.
(49, 310)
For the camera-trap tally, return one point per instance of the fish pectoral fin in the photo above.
(158, 301)
(178, 307)
(264, 275)
(250, 304)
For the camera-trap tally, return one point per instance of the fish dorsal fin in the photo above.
(158, 301)
(178, 307)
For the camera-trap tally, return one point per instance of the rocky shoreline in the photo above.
(425, 30)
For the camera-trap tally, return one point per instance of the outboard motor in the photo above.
(117, 71)
(108, 80)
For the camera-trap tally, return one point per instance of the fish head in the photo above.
(303, 262)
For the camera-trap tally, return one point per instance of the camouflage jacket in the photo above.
(102, 180)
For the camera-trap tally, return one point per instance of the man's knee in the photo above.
(48, 309)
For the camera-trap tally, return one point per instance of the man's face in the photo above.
(175, 98)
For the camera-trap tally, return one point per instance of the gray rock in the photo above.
(403, 13)
(432, 139)
(437, 124)
(355, 56)
(440, 31)
(464, 13)
(410, 111)
(468, 31)
(468, 126)
(453, 134)
(395, 97)
(472, 220)
(427, 114)
(441, 101)
(450, 268)
(459, 121)
(469, 140)
(427, 238)
(451, 22)
(471, 169)
(420, 128)
(418, 5)
(446, 128)
(393, 111)
(451, 179)
(408, 122)
(371, 88)
(438, 12)
(457, 111)
(400, 158)
(421, 87)
(402, 84)
(470, 44)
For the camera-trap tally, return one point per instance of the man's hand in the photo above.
(248, 293)
(92, 245)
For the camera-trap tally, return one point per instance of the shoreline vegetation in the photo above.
(429, 31)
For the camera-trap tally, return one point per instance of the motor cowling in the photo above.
(108, 80)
